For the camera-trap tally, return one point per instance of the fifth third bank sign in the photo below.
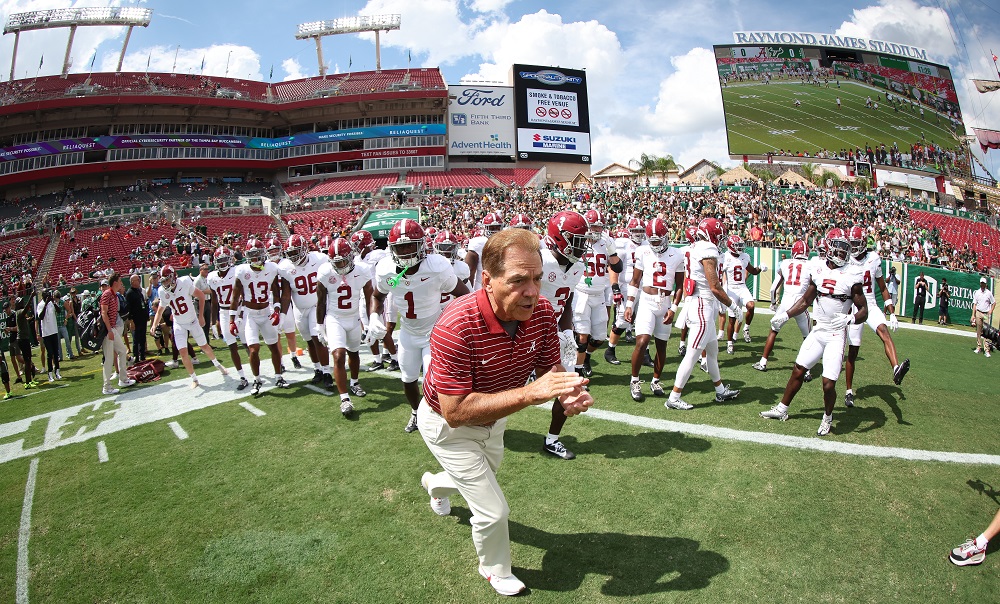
(481, 120)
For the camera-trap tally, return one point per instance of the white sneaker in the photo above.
(58, 375)
(730, 346)
(704, 365)
(746, 334)
(114, 376)
(110, 391)
(988, 354)
(52, 378)
(824, 426)
(126, 384)
(505, 586)
(170, 364)
(440, 505)
(678, 404)
(775, 413)
(760, 366)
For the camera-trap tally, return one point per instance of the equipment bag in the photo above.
(146, 371)
(92, 329)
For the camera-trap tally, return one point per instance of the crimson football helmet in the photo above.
(297, 249)
(223, 258)
(168, 278)
(658, 235)
(735, 244)
(491, 224)
(362, 242)
(691, 233)
(255, 253)
(406, 243)
(856, 237)
(595, 225)
(273, 249)
(636, 230)
(520, 221)
(800, 250)
(446, 244)
(838, 248)
(711, 230)
(566, 234)
(341, 256)
(324, 243)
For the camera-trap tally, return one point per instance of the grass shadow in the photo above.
(985, 488)
(613, 446)
(891, 395)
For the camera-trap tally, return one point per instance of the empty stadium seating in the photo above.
(351, 184)
(519, 176)
(467, 178)
(959, 231)
(321, 222)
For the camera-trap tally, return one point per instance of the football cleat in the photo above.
(610, 358)
(243, 384)
(559, 450)
(681, 349)
(808, 377)
(636, 389)
(775, 413)
(656, 388)
(357, 390)
(849, 399)
(677, 404)
(281, 383)
(900, 371)
(703, 364)
(647, 360)
(295, 362)
(317, 377)
(726, 395)
(760, 366)
(730, 347)
(346, 408)
(824, 426)
(967, 554)
(746, 334)
(630, 337)
(257, 385)
(376, 365)
(393, 365)
(411, 426)
(327, 380)
(587, 371)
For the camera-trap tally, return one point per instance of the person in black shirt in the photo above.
(138, 316)
(944, 296)
(919, 298)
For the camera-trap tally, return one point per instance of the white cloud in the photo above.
(903, 22)
(242, 61)
(429, 27)
(489, 6)
(293, 70)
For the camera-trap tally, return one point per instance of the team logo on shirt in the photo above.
(552, 277)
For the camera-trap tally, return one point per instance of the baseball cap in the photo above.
(982, 280)
(104, 282)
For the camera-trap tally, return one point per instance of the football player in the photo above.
(868, 264)
(287, 327)
(793, 279)
(341, 286)
(416, 279)
(831, 290)
(298, 271)
(222, 281)
(658, 270)
(590, 314)
(736, 267)
(446, 244)
(626, 247)
(256, 288)
(367, 255)
(180, 294)
(490, 225)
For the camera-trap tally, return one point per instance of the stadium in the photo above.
(164, 492)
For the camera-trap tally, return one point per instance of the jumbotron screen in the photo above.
(796, 100)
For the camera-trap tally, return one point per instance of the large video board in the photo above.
(552, 114)
(481, 120)
(797, 99)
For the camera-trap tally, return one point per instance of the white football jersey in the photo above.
(626, 249)
(223, 285)
(181, 300)
(698, 251)
(258, 285)
(658, 270)
(597, 275)
(303, 278)
(476, 244)
(344, 292)
(735, 269)
(371, 260)
(558, 282)
(833, 291)
(795, 275)
(461, 270)
(418, 295)
(870, 269)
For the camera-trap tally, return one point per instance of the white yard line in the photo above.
(252, 409)
(21, 596)
(102, 451)
(178, 431)
(794, 442)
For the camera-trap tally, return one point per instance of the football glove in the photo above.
(276, 317)
(376, 328)
(778, 320)
(233, 329)
(763, 268)
(841, 321)
(893, 322)
(616, 294)
(774, 307)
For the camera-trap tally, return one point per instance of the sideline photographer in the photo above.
(983, 303)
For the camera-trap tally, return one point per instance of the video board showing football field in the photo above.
(808, 99)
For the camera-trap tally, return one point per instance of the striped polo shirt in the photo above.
(471, 352)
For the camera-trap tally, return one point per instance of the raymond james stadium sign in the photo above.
(812, 39)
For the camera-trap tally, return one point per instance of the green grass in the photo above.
(302, 505)
(761, 118)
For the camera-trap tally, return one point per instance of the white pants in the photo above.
(590, 315)
(181, 332)
(876, 318)
(649, 317)
(110, 347)
(287, 324)
(225, 316)
(305, 320)
(470, 457)
(741, 295)
(700, 320)
(827, 345)
(802, 319)
(413, 354)
(343, 332)
(258, 325)
(620, 314)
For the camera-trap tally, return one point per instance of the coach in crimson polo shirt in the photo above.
(483, 348)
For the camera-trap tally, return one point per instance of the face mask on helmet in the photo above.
(838, 251)
(256, 257)
(448, 249)
(595, 232)
(343, 264)
(408, 254)
(637, 235)
(224, 261)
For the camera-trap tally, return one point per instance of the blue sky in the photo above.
(650, 66)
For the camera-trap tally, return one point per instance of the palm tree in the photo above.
(662, 165)
(830, 175)
(809, 170)
(644, 166)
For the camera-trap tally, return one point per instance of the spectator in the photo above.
(47, 327)
(72, 316)
(138, 315)
(24, 316)
(919, 297)
(114, 345)
(983, 304)
(943, 298)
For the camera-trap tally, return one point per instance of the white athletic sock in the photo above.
(326, 369)
(241, 374)
(981, 541)
(345, 397)
(217, 363)
(551, 438)
(674, 395)
(354, 382)
(849, 391)
(720, 389)
(827, 418)
(654, 380)
(763, 360)
(634, 379)
(782, 407)
(254, 375)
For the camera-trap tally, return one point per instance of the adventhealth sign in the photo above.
(481, 120)
(814, 39)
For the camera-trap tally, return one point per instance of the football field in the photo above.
(761, 118)
(167, 494)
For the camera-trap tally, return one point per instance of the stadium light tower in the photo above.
(72, 18)
(348, 25)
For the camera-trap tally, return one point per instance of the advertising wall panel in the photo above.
(481, 120)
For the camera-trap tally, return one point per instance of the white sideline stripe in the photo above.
(252, 409)
(794, 442)
(102, 451)
(24, 534)
(931, 328)
(41, 391)
(178, 431)
(319, 390)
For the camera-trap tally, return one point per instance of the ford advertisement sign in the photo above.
(481, 120)
(552, 114)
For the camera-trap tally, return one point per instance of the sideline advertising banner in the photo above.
(380, 222)
(552, 114)
(960, 285)
(481, 120)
